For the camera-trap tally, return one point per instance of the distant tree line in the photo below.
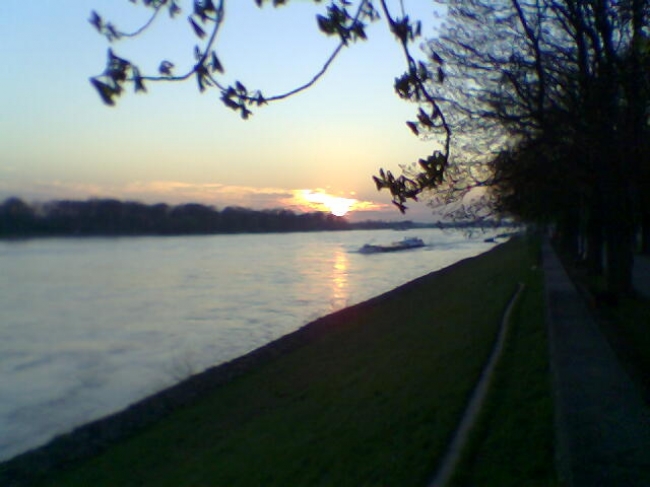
(113, 217)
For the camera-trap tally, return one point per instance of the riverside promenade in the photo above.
(602, 423)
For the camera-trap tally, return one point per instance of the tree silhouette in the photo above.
(108, 217)
(553, 94)
(345, 20)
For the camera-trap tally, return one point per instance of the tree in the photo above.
(564, 81)
(344, 19)
(16, 218)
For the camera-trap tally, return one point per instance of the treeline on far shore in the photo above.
(112, 217)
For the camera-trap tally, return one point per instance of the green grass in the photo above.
(512, 444)
(626, 326)
(372, 401)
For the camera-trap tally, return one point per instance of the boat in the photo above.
(406, 243)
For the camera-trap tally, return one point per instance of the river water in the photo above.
(88, 326)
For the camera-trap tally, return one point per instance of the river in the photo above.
(90, 325)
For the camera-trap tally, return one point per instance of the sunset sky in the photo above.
(174, 145)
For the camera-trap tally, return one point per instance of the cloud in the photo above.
(322, 200)
(49, 190)
(216, 194)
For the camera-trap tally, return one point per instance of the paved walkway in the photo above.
(602, 423)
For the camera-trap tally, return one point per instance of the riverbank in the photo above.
(366, 396)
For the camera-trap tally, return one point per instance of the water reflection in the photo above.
(339, 279)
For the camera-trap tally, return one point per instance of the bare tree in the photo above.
(562, 80)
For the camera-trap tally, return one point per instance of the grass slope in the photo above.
(372, 399)
(626, 326)
(513, 441)
(624, 322)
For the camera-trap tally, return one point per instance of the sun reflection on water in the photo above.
(339, 280)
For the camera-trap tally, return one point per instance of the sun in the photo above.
(339, 206)
(320, 200)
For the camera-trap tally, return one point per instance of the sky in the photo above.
(175, 145)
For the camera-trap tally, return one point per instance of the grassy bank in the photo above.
(625, 323)
(371, 398)
(512, 444)
(628, 327)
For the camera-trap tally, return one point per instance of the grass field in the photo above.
(625, 323)
(370, 400)
(626, 326)
(513, 441)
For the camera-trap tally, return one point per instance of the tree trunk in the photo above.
(620, 259)
(595, 246)
(645, 232)
(570, 236)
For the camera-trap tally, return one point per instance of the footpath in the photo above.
(602, 423)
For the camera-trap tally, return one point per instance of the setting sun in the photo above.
(336, 205)
(339, 206)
